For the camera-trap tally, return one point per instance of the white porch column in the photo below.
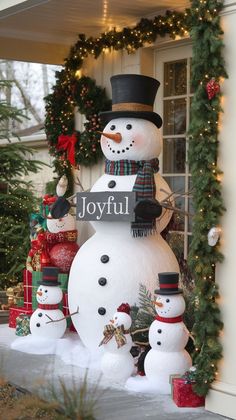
(222, 397)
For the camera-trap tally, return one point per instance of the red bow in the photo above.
(67, 142)
(49, 199)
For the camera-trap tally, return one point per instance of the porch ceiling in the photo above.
(44, 30)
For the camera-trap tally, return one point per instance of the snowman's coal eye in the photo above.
(112, 127)
(45, 291)
(115, 317)
(129, 126)
(167, 300)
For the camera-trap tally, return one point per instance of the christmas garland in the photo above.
(203, 23)
(207, 70)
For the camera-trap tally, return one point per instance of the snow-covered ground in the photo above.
(41, 363)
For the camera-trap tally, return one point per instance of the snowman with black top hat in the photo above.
(48, 320)
(120, 256)
(168, 335)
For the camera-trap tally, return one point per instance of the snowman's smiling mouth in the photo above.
(43, 298)
(162, 311)
(60, 226)
(120, 150)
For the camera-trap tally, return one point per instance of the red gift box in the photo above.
(27, 281)
(72, 327)
(15, 312)
(184, 396)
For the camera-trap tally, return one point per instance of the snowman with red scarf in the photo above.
(168, 335)
(48, 295)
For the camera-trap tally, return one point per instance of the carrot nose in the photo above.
(39, 293)
(115, 137)
(157, 303)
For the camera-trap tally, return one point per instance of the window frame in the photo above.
(164, 55)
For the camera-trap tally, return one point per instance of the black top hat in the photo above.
(133, 96)
(50, 276)
(169, 284)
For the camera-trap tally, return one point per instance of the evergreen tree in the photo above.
(17, 200)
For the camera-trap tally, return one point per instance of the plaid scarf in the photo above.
(144, 186)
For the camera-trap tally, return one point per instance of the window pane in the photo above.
(174, 116)
(177, 185)
(174, 155)
(176, 242)
(175, 78)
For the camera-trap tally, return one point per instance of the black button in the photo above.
(159, 331)
(40, 314)
(102, 281)
(104, 259)
(159, 343)
(101, 311)
(38, 324)
(111, 184)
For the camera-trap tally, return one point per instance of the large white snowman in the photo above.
(117, 363)
(111, 265)
(168, 335)
(48, 296)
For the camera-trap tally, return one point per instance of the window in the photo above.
(173, 68)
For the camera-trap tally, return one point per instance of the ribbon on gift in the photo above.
(27, 281)
(119, 333)
(67, 142)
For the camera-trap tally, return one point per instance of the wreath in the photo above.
(64, 142)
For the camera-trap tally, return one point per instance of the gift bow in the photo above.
(67, 142)
(110, 331)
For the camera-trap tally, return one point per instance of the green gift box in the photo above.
(20, 302)
(36, 277)
(63, 279)
(23, 325)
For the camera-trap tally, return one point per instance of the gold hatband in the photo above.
(132, 106)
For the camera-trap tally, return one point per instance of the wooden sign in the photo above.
(109, 206)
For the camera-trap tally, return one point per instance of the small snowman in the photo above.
(168, 335)
(61, 239)
(117, 363)
(48, 295)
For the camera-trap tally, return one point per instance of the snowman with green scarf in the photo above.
(111, 265)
